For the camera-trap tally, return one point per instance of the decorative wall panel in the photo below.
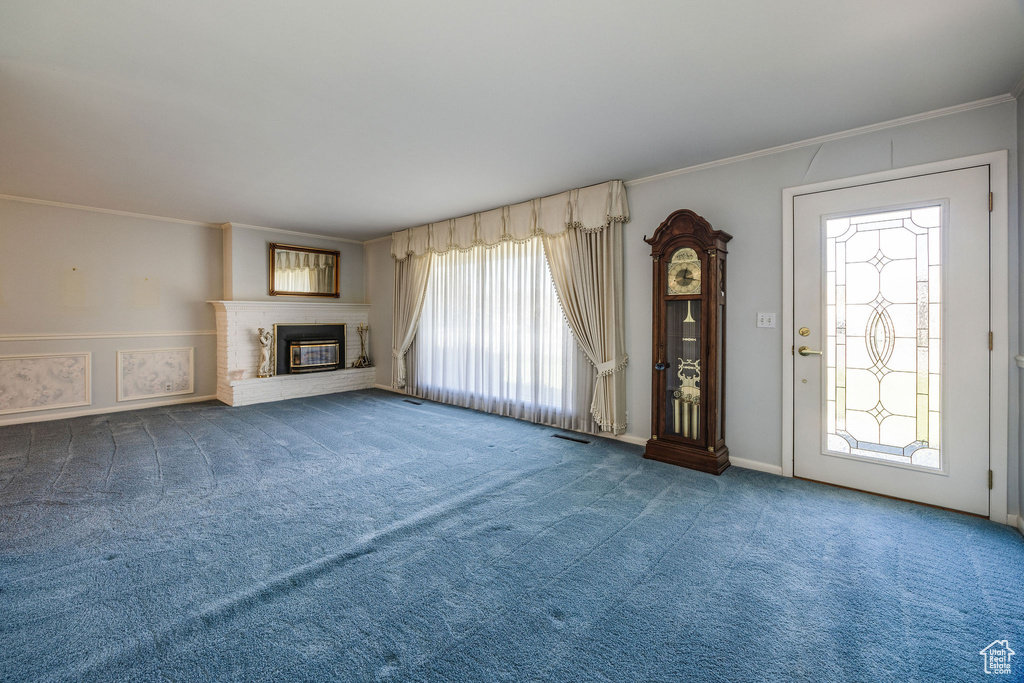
(154, 373)
(44, 382)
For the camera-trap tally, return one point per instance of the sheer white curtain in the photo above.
(492, 337)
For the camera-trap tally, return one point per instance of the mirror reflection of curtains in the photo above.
(303, 271)
(475, 297)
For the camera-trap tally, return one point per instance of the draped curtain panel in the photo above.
(587, 272)
(411, 277)
(492, 337)
(582, 235)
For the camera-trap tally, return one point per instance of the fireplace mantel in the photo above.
(238, 350)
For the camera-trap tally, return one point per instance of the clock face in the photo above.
(684, 272)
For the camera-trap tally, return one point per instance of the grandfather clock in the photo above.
(688, 387)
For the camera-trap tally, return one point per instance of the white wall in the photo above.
(1020, 218)
(745, 199)
(380, 287)
(74, 280)
(247, 263)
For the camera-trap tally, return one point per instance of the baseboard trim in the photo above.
(63, 415)
(628, 438)
(385, 387)
(756, 465)
(1016, 521)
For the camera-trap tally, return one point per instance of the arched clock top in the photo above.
(686, 226)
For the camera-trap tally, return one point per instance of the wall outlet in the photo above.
(167, 387)
(766, 320)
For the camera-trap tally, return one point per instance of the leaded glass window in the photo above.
(882, 320)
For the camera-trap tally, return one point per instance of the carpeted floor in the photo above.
(360, 537)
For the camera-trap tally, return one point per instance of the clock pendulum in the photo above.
(686, 399)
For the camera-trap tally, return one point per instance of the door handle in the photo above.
(806, 351)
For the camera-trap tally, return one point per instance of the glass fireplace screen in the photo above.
(309, 356)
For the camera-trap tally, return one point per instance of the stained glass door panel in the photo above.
(883, 303)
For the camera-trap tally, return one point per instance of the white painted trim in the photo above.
(999, 321)
(756, 465)
(70, 354)
(1020, 524)
(292, 232)
(99, 411)
(1015, 521)
(999, 307)
(1018, 89)
(104, 335)
(119, 380)
(385, 387)
(637, 440)
(115, 212)
(916, 118)
(786, 323)
(377, 239)
(260, 305)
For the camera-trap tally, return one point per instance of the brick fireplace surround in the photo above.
(238, 349)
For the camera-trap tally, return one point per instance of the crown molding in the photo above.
(1018, 89)
(377, 239)
(947, 111)
(291, 232)
(115, 212)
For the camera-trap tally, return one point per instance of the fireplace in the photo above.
(309, 348)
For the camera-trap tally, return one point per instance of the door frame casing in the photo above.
(1000, 358)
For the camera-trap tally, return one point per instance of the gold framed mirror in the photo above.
(303, 271)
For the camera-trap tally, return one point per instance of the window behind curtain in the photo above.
(492, 337)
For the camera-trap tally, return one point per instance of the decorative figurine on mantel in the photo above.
(363, 361)
(266, 338)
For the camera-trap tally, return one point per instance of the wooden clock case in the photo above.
(688, 388)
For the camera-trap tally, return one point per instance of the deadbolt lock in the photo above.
(803, 331)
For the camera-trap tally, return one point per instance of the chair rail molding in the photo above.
(103, 335)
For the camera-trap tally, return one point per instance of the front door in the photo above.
(891, 330)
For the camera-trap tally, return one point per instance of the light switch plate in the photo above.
(766, 320)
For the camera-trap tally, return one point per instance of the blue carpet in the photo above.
(358, 537)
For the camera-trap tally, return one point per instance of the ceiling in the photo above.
(359, 118)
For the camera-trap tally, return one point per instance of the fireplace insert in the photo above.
(312, 356)
(309, 348)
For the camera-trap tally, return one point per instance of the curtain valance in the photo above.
(589, 209)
